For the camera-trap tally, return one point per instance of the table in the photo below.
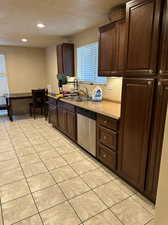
(19, 103)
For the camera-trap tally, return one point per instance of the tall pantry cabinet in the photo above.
(145, 94)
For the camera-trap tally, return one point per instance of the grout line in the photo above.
(28, 186)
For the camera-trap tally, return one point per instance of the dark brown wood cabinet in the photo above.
(156, 140)
(107, 140)
(142, 37)
(52, 111)
(67, 119)
(163, 58)
(136, 111)
(111, 49)
(65, 59)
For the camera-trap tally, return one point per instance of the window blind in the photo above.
(87, 64)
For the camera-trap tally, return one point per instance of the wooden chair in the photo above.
(7, 107)
(38, 102)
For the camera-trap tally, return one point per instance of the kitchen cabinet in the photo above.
(156, 141)
(111, 49)
(52, 111)
(163, 59)
(67, 119)
(65, 59)
(107, 140)
(142, 37)
(136, 111)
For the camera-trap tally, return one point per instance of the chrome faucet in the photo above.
(86, 92)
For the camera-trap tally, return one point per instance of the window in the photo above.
(3, 79)
(87, 64)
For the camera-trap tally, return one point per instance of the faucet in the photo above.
(86, 92)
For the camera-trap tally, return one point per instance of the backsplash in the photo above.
(111, 91)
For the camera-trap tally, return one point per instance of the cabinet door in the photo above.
(156, 141)
(142, 36)
(71, 125)
(68, 59)
(52, 115)
(137, 99)
(111, 49)
(163, 65)
(62, 121)
(59, 59)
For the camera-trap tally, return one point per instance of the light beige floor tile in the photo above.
(83, 166)
(10, 176)
(33, 169)
(7, 148)
(9, 165)
(28, 159)
(64, 149)
(74, 187)
(145, 203)
(48, 197)
(152, 222)
(25, 151)
(87, 205)
(125, 187)
(14, 190)
(18, 209)
(23, 145)
(131, 213)
(48, 154)
(40, 181)
(7, 155)
(62, 214)
(63, 173)
(95, 178)
(43, 147)
(73, 157)
(54, 163)
(110, 193)
(33, 220)
(104, 218)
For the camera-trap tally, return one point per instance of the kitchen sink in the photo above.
(78, 98)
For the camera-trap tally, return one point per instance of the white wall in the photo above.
(26, 68)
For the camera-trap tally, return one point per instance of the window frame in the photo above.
(89, 82)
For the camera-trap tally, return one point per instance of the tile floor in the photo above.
(45, 179)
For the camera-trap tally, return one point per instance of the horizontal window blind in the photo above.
(87, 64)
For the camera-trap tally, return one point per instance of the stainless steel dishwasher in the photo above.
(86, 130)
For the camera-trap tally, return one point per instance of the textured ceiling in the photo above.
(18, 18)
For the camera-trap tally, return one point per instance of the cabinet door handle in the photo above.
(104, 155)
(105, 121)
(104, 137)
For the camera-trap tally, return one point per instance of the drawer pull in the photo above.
(104, 155)
(105, 121)
(104, 137)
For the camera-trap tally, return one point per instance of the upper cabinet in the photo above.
(142, 37)
(65, 58)
(111, 49)
(163, 64)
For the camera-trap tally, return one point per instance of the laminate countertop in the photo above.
(105, 107)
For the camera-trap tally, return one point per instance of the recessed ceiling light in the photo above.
(24, 40)
(41, 25)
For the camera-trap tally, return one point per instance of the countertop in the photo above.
(105, 107)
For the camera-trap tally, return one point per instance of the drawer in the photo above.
(107, 157)
(107, 122)
(107, 137)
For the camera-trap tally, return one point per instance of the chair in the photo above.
(38, 101)
(7, 107)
